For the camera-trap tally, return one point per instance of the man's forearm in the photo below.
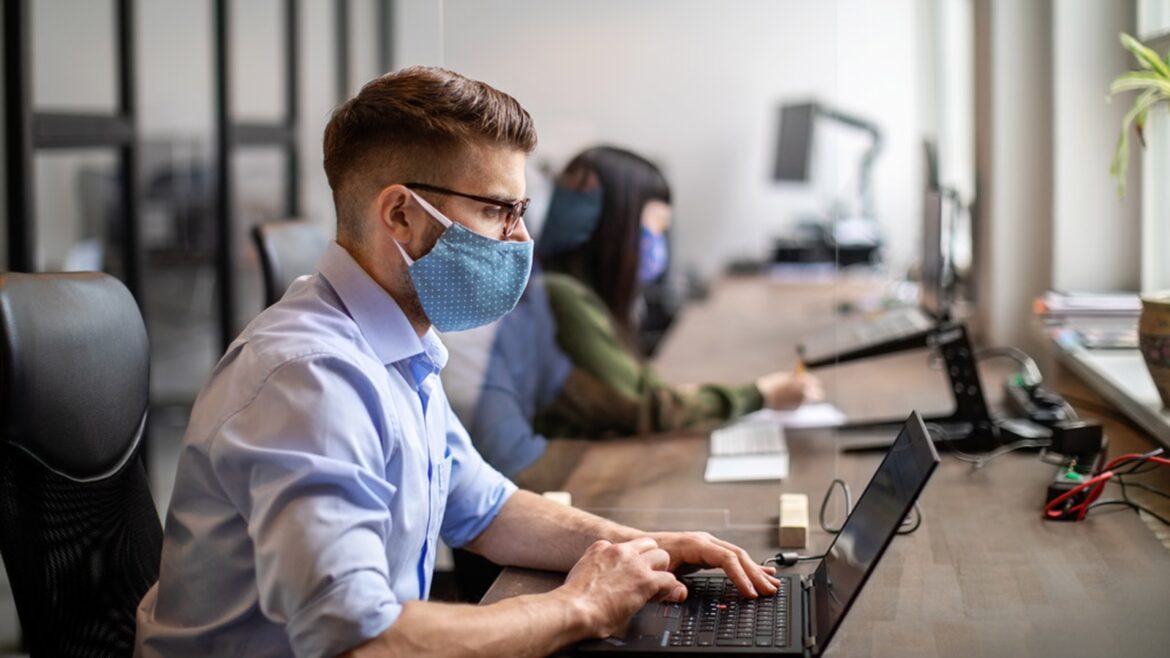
(532, 531)
(533, 625)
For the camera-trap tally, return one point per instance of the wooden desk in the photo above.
(983, 576)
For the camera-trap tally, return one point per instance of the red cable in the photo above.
(1050, 509)
(1138, 457)
(1097, 482)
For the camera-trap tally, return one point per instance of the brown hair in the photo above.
(410, 126)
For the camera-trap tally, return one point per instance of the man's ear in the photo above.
(391, 205)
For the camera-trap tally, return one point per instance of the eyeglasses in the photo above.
(513, 210)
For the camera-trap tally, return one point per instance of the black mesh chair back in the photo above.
(288, 249)
(79, 533)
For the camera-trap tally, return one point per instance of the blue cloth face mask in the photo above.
(468, 280)
(652, 257)
(571, 220)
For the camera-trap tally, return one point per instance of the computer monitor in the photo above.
(932, 276)
(936, 275)
(794, 150)
(930, 164)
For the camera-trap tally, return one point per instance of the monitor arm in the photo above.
(865, 168)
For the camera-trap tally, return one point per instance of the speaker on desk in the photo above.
(79, 532)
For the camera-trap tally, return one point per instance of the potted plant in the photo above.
(1152, 82)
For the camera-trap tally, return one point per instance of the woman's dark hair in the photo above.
(608, 261)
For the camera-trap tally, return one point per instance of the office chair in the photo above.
(288, 249)
(79, 533)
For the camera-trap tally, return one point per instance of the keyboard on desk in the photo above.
(887, 326)
(866, 337)
(748, 438)
(715, 614)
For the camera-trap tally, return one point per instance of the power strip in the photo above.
(1073, 474)
(1034, 402)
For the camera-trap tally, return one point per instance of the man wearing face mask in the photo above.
(322, 463)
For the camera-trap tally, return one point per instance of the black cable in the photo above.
(789, 559)
(1102, 410)
(939, 433)
(916, 512)
(912, 522)
(1124, 492)
(909, 524)
(825, 503)
(1140, 468)
(1132, 505)
(1140, 485)
(1137, 461)
(983, 458)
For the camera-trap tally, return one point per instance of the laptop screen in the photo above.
(872, 524)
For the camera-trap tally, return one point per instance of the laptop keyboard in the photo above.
(888, 326)
(715, 614)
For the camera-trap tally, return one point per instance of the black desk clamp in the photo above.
(969, 426)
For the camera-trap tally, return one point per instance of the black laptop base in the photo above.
(715, 620)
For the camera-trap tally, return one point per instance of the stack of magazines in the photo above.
(1092, 320)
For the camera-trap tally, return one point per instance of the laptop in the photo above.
(802, 618)
(901, 329)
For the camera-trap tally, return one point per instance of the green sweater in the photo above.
(610, 391)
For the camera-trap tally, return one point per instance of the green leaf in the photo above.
(1147, 58)
(1134, 80)
(1138, 112)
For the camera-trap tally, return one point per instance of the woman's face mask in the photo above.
(572, 218)
(654, 252)
(653, 256)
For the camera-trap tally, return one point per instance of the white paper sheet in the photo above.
(742, 468)
(808, 416)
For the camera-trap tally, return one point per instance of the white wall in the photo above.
(696, 86)
(1014, 154)
(1095, 235)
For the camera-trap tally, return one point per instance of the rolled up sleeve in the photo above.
(477, 491)
(304, 462)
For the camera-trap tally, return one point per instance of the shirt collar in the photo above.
(377, 315)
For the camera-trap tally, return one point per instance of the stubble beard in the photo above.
(411, 304)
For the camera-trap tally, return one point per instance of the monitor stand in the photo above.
(969, 427)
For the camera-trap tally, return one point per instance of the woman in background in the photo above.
(562, 363)
(604, 237)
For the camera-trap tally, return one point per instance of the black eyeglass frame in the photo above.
(515, 209)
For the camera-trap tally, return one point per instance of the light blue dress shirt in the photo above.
(501, 375)
(321, 465)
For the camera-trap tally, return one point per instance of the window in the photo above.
(1154, 30)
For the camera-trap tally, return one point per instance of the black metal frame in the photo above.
(341, 48)
(231, 135)
(28, 131)
(341, 20)
(386, 35)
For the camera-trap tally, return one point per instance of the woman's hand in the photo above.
(789, 390)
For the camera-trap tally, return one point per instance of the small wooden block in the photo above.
(562, 497)
(793, 520)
